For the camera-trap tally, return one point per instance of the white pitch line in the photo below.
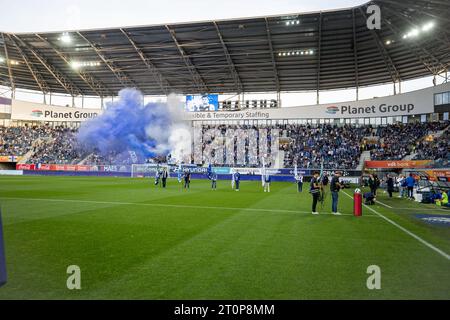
(164, 205)
(426, 243)
(388, 206)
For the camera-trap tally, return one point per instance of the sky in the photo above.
(60, 15)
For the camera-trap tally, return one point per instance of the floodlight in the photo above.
(428, 26)
(414, 33)
(65, 38)
(75, 64)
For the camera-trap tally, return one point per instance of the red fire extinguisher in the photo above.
(357, 203)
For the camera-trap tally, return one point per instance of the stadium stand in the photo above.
(339, 147)
(436, 149)
(19, 140)
(399, 140)
(59, 147)
(306, 145)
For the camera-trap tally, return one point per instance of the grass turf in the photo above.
(134, 240)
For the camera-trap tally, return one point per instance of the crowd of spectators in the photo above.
(337, 147)
(58, 147)
(399, 140)
(306, 146)
(17, 141)
(434, 149)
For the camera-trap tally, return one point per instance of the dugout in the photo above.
(430, 180)
(429, 183)
(8, 165)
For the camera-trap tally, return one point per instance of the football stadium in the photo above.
(296, 156)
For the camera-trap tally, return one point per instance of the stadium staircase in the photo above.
(38, 142)
(365, 156)
(409, 156)
(82, 162)
(26, 157)
(436, 135)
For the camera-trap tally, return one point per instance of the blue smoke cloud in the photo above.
(127, 125)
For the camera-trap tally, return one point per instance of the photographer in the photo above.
(335, 186)
(314, 189)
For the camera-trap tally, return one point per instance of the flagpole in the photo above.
(263, 172)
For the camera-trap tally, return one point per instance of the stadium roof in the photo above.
(296, 52)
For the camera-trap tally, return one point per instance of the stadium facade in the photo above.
(430, 104)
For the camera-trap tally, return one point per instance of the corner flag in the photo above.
(295, 171)
(232, 178)
(2, 255)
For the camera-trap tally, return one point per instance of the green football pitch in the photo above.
(133, 240)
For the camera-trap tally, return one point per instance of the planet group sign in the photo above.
(29, 111)
(332, 110)
(69, 115)
(406, 104)
(383, 108)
